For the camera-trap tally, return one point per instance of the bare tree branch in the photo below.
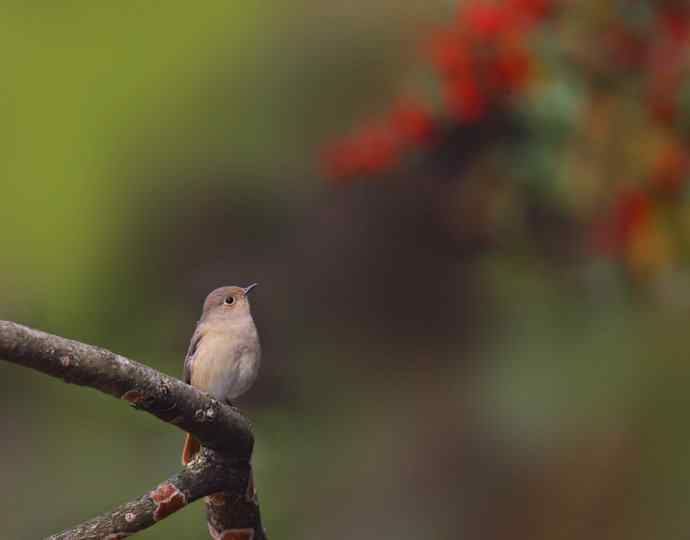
(222, 470)
(215, 424)
(209, 473)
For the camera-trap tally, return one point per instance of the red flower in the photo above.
(374, 150)
(486, 21)
(613, 235)
(464, 100)
(378, 150)
(633, 209)
(675, 19)
(412, 122)
(511, 70)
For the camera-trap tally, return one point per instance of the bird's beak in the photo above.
(248, 288)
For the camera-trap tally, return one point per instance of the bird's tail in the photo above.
(190, 449)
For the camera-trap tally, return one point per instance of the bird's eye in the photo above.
(230, 300)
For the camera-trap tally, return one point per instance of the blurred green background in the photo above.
(151, 151)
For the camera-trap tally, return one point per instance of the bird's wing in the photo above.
(191, 351)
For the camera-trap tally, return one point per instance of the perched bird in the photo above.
(224, 353)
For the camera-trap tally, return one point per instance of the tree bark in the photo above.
(235, 517)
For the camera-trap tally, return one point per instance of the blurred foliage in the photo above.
(475, 328)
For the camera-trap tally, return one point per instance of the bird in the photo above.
(224, 353)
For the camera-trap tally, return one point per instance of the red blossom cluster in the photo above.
(481, 61)
(657, 54)
(631, 212)
(634, 217)
(671, 171)
(484, 59)
(378, 147)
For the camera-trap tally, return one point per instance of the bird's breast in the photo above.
(226, 366)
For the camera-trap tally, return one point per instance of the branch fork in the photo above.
(222, 470)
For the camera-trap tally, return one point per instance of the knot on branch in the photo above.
(67, 360)
(156, 397)
(208, 413)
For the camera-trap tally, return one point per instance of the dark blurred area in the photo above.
(482, 339)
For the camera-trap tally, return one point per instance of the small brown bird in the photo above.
(224, 353)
